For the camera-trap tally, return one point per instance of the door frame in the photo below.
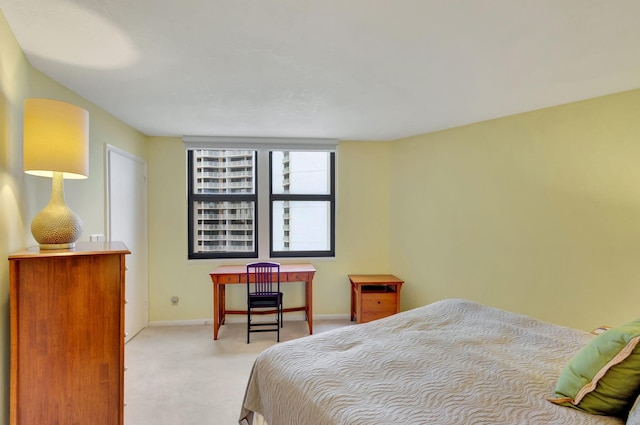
(109, 149)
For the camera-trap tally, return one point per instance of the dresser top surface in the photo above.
(81, 248)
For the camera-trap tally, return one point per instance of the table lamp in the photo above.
(56, 145)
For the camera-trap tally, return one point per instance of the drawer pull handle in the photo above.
(378, 302)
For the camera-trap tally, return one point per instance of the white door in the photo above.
(127, 222)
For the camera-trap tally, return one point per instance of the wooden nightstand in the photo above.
(374, 296)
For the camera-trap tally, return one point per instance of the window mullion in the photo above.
(263, 204)
(299, 197)
(222, 198)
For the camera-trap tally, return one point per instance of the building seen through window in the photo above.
(223, 224)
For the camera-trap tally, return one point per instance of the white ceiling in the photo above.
(345, 69)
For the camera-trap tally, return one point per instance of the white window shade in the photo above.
(260, 143)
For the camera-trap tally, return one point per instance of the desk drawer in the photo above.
(229, 278)
(294, 277)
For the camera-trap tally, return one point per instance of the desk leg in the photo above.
(219, 303)
(309, 301)
(216, 310)
(222, 305)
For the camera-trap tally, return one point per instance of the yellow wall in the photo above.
(13, 88)
(537, 213)
(22, 196)
(362, 240)
(85, 197)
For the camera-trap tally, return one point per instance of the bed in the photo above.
(451, 362)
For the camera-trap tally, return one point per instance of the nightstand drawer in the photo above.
(376, 305)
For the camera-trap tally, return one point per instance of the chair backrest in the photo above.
(265, 277)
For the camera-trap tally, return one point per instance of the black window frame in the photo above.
(331, 198)
(192, 198)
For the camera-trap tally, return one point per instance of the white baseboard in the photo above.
(320, 317)
(238, 318)
(194, 322)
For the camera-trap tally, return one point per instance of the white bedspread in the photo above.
(449, 363)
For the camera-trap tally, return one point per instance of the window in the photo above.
(302, 204)
(222, 204)
(284, 199)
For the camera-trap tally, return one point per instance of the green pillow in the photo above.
(604, 376)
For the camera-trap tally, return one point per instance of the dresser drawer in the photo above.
(376, 305)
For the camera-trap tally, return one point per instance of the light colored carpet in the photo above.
(178, 375)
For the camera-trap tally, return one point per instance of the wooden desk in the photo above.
(374, 296)
(229, 275)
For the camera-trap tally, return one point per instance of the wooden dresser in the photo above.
(67, 335)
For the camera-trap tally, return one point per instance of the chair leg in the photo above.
(281, 313)
(248, 323)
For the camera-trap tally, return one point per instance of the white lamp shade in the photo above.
(56, 138)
